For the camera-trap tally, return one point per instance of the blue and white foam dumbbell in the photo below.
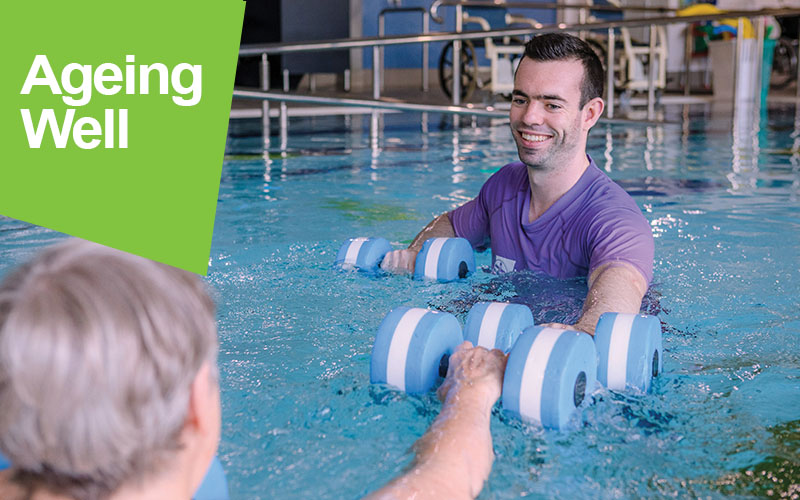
(412, 348)
(629, 350)
(365, 254)
(496, 325)
(549, 373)
(444, 259)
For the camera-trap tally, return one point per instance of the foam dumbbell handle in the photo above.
(365, 254)
(629, 350)
(496, 325)
(549, 373)
(444, 259)
(412, 347)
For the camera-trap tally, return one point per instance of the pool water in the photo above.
(300, 417)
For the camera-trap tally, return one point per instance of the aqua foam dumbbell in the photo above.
(365, 254)
(496, 325)
(629, 350)
(444, 259)
(548, 375)
(441, 259)
(413, 347)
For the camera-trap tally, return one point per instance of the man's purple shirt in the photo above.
(594, 223)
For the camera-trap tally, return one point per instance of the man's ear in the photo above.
(200, 416)
(592, 111)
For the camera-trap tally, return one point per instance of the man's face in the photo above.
(546, 121)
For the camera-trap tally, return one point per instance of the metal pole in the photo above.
(284, 118)
(651, 75)
(797, 80)
(610, 75)
(687, 60)
(762, 26)
(347, 80)
(376, 74)
(426, 22)
(381, 31)
(457, 59)
(736, 56)
(265, 104)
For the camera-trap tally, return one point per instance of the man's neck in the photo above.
(548, 186)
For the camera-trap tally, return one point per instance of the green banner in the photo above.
(114, 120)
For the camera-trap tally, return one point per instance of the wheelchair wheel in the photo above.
(620, 61)
(469, 69)
(784, 64)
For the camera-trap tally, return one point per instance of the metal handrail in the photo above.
(434, 10)
(398, 105)
(350, 43)
(392, 105)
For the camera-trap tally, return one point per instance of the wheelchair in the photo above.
(503, 54)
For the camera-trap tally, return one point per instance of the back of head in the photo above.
(98, 349)
(565, 47)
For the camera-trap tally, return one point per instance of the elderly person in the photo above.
(108, 379)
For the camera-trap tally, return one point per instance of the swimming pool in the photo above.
(300, 418)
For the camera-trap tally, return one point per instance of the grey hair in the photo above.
(98, 351)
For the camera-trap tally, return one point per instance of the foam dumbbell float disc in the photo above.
(4, 463)
(549, 373)
(629, 350)
(409, 348)
(444, 259)
(365, 254)
(496, 325)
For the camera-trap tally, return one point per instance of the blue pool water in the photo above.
(300, 418)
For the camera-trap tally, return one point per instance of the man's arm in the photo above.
(402, 261)
(613, 287)
(454, 457)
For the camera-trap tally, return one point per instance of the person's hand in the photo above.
(400, 261)
(474, 372)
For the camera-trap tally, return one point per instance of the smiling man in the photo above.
(555, 211)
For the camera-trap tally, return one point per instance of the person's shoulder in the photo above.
(510, 175)
(603, 193)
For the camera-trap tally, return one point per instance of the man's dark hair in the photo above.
(561, 47)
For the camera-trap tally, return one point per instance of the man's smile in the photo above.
(534, 137)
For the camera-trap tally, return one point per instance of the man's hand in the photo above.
(400, 261)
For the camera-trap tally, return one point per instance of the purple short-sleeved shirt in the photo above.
(594, 223)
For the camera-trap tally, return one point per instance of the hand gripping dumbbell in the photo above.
(442, 259)
(549, 370)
